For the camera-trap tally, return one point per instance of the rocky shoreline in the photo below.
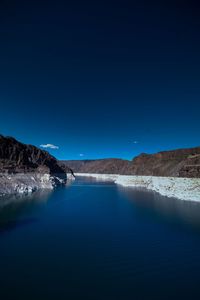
(28, 183)
(175, 187)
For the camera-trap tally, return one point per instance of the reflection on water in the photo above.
(17, 209)
(13, 207)
(16, 199)
(96, 240)
(171, 208)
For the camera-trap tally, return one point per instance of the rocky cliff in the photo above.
(25, 168)
(175, 163)
(16, 157)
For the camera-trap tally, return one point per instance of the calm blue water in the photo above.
(98, 241)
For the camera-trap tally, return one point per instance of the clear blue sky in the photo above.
(100, 79)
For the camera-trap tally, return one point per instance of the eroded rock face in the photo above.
(26, 168)
(175, 163)
(16, 157)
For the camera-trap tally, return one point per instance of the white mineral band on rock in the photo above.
(180, 188)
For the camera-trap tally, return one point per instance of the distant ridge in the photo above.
(175, 163)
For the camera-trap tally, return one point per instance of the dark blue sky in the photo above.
(101, 79)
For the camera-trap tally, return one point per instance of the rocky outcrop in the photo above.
(175, 163)
(67, 170)
(26, 168)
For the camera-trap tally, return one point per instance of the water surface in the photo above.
(95, 240)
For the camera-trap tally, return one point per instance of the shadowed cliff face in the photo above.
(176, 163)
(16, 157)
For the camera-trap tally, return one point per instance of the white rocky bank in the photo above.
(27, 182)
(180, 188)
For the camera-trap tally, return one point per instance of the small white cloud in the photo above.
(133, 142)
(81, 154)
(50, 146)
